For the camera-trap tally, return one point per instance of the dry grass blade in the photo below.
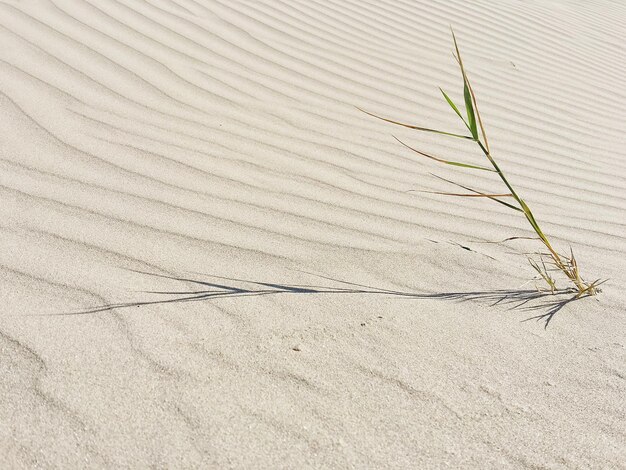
(417, 128)
(441, 160)
(544, 273)
(490, 196)
(511, 206)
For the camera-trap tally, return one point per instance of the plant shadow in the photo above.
(544, 305)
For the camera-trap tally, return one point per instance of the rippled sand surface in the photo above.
(209, 258)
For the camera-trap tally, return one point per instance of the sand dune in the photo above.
(209, 258)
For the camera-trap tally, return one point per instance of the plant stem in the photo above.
(568, 268)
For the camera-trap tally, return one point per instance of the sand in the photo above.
(209, 258)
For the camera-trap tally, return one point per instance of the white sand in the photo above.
(215, 141)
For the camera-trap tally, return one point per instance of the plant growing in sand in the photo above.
(549, 261)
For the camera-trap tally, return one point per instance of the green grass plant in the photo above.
(549, 261)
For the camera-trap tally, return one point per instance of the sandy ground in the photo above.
(210, 259)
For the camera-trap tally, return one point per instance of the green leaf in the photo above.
(467, 92)
(471, 118)
(454, 107)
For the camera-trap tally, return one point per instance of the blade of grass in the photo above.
(441, 160)
(510, 206)
(425, 129)
(471, 118)
(470, 98)
(490, 196)
(454, 107)
(543, 272)
(480, 121)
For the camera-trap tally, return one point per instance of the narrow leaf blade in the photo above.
(504, 203)
(471, 118)
(441, 160)
(469, 91)
(425, 129)
(454, 107)
(490, 196)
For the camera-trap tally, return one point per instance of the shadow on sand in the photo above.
(543, 306)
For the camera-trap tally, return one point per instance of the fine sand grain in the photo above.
(209, 258)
